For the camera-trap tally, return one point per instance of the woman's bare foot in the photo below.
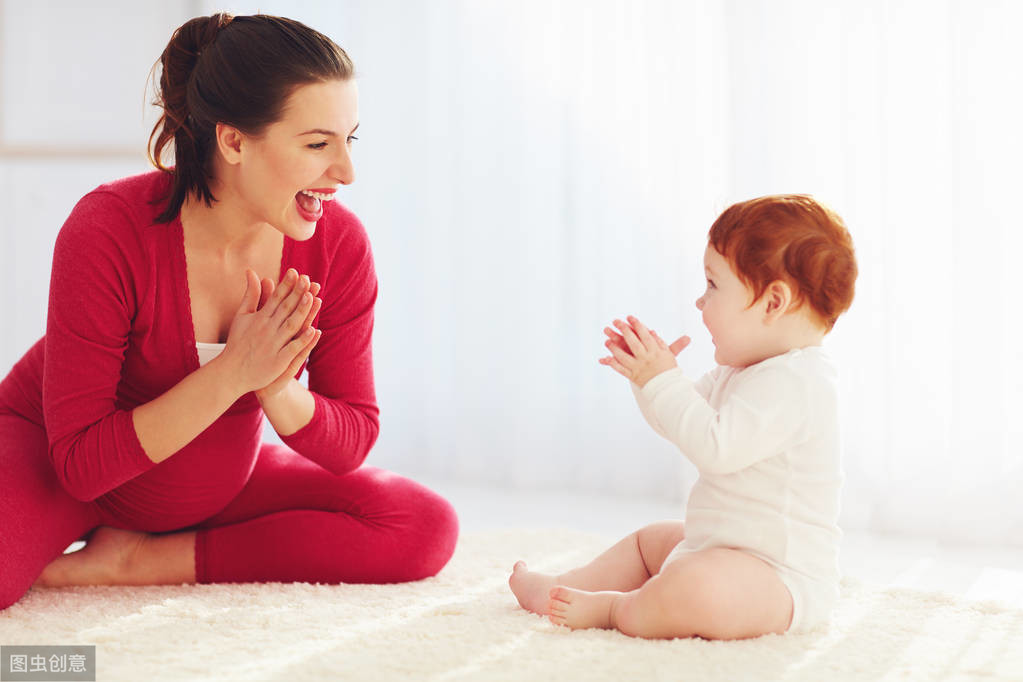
(104, 560)
(532, 589)
(578, 609)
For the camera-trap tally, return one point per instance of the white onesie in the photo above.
(765, 441)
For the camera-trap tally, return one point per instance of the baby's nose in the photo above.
(699, 303)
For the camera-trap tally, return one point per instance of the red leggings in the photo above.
(292, 522)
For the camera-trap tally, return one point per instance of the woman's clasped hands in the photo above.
(638, 353)
(272, 333)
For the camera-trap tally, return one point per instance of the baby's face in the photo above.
(735, 327)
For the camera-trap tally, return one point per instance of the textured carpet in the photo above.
(464, 624)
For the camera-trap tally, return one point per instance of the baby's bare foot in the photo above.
(104, 560)
(578, 609)
(532, 589)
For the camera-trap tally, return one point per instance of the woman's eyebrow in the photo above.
(324, 131)
(318, 131)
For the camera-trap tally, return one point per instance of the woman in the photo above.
(135, 422)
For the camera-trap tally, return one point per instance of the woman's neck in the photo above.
(222, 227)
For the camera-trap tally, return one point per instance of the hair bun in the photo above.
(178, 63)
(195, 35)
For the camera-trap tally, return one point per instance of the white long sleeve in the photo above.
(703, 388)
(764, 414)
(765, 441)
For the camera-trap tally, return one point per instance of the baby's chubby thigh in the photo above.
(715, 593)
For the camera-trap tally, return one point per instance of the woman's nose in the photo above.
(343, 170)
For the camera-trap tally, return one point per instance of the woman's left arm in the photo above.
(289, 410)
(335, 421)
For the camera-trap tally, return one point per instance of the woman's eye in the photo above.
(317, 145)
(352, 138)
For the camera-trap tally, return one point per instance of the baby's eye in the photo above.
(710, 283)
(317, 145)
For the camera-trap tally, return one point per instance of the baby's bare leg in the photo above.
(715, 594)
(625, 566)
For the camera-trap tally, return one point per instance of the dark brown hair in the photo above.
(793, 238)
(234, 70)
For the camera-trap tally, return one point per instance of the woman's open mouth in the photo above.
(310, 203)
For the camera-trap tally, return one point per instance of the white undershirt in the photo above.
(208, 351)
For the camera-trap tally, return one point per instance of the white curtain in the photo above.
(907, 116)
(530, 170)
(527, 172)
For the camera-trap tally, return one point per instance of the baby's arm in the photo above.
(763, 414)
(638, 353)
(764, 411)
(702, 387)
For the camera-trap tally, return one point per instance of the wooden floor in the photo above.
(976, 572)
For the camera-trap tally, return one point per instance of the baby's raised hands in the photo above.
(638, 353)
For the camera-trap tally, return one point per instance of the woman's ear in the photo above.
(778, 299)
(229, 143)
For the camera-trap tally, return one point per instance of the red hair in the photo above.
(795, 239)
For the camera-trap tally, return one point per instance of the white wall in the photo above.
(73, 114)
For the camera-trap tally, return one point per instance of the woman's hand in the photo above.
(270, 331)
(279, 384)
(638, 353)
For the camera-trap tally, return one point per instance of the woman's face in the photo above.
(308, 152)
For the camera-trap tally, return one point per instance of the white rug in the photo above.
(466, 625)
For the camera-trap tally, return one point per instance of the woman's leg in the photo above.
(716, 593)
(293, 521)
(296, 522)
(624, 567)
(38, 518)
(119, 556)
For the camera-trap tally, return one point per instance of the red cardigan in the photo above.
(119, 334)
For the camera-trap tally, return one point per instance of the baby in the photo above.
(758, 552)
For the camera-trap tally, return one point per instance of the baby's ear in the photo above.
(778, 297)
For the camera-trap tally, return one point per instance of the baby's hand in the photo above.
(638, 353)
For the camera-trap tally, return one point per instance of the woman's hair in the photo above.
(234, 70)
(793, 238)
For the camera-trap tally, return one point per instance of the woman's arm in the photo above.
(96, 275)
(291, 409)
(337, 416)
(172, 421)
(95, 443)
(287, 404)
(261, 344)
